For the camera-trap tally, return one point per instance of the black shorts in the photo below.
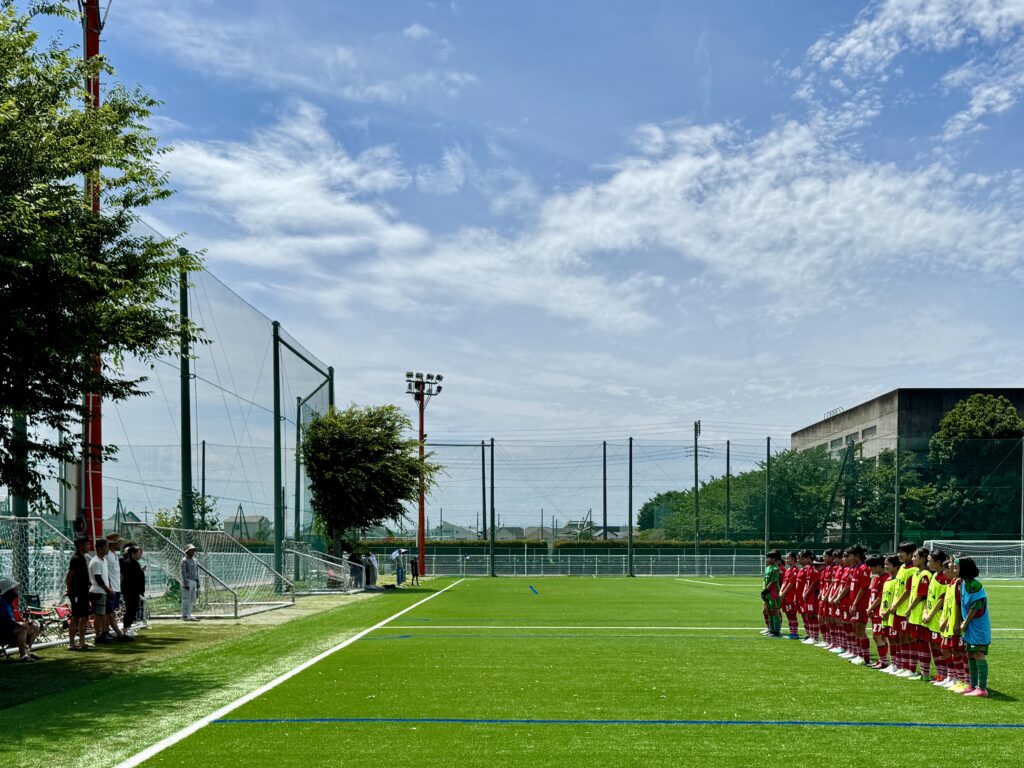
(80, 605)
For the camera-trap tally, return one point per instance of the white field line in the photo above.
(707, 583)
(188, 730)
(419, 627)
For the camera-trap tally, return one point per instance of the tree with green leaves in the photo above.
(975, 462)
(362, 467)
(204, 511)
(75, 287)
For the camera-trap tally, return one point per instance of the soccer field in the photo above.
(567, 672)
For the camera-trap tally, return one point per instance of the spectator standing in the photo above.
(13, 632)
(78, 583)
(189, 583)
(371, 570)
(414, 570)
(133, 586)
(99, 590)
(114, 582)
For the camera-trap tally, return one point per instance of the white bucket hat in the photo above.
(7, 584)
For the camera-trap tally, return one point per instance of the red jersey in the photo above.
(860, 581)
(814, 580)
(875, 592)
(800, 583)
(845, 577)
(789, 577)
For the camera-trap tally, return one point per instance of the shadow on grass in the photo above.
(60, 670)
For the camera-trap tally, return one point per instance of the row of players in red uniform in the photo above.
(838, 595)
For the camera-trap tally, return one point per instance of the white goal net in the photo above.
(995, 559)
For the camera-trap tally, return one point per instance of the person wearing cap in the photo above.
(77, 582)
(189, 583)
(12, 631)
(114, 582)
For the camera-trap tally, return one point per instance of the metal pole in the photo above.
(278, 497)
(629, 515)
(92, 464)
(490, 547)
(421, 534)
(483, 488)
(330, 385)
(696, 491)
(1021, 507)
(728, 482)
(604, 488)
(896, 500)
(202, 472)
(188, 521)
(767, 494)
(298, 475)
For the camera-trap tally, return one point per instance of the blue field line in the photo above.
(527, 721)
(534, 590)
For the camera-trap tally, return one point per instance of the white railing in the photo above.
(561, 564)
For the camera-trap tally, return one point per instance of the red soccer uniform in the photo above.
(799, 583)
(875, 592)
(789, 577)
(813, 584)
(860, 581)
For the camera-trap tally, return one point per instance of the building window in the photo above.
(869, 432)
(837, 443)
(852, 438)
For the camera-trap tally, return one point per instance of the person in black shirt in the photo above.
(133, 585)
(78, 594)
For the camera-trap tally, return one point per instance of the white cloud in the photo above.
(448, 176)
(257, 49)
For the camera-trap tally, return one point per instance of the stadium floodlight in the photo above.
(422, 388)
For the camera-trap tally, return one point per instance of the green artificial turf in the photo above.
(134, 694)
(607, 649)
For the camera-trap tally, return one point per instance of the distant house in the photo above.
(452, 532)
(509, 533)
(249, 527)
(112, 523)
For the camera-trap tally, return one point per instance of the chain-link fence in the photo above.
(36, 554)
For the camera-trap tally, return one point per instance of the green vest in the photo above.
(936, 592)
(949, 607)
(888, 595)
(903, 575)
(915, 615)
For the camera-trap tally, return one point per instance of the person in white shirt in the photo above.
(114, 582)
(189, 583)
(99, 589)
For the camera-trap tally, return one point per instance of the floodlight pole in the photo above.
(728, 482)
(483, 490)
(604, 488)
(629, 515)
(767, 491)
(92, 465)
(422, 389)
(490, 545)
(696, 494)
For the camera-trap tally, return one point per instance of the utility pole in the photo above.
(604, 488)
(202, 471)
(629, 516)
(696, 491)
(483, 489)
(422, 390)
(92, 465)
(896, 499)
(187, 513)
(490, 546)
(767, 492)
(728, 482)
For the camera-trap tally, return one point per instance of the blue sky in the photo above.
(605, 218)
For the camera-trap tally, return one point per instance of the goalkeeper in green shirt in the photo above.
(770, 594)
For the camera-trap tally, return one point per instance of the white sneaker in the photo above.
(836, 649)
(809, 641)
(915, 676)
(858, 661)
(766, 631)
(939, 683)
(821, 644)
(845, 655)
(892, 669)
(948, 683)
(903, 673)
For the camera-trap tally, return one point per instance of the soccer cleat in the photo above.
(964, 691)
(766, 631)
(821, 644)
(939, 682)
(902, 673)
(949, 683)
(892, 669)
(858, 661)
(793, 637)
(915, 676)
(836, 649)
(845, 655)
(809, 641)
(977, 693)
(960, 688)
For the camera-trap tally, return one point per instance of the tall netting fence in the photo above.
(316, 572)
(36, 554)
(233, 581)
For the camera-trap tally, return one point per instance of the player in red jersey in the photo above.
(881, 571)
(807, 598)
(859, 598)
(840, 601)
(790, 595)
(825, 600)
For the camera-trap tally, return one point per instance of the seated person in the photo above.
(13, 632)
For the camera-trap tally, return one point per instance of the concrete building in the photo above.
(912, 415)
